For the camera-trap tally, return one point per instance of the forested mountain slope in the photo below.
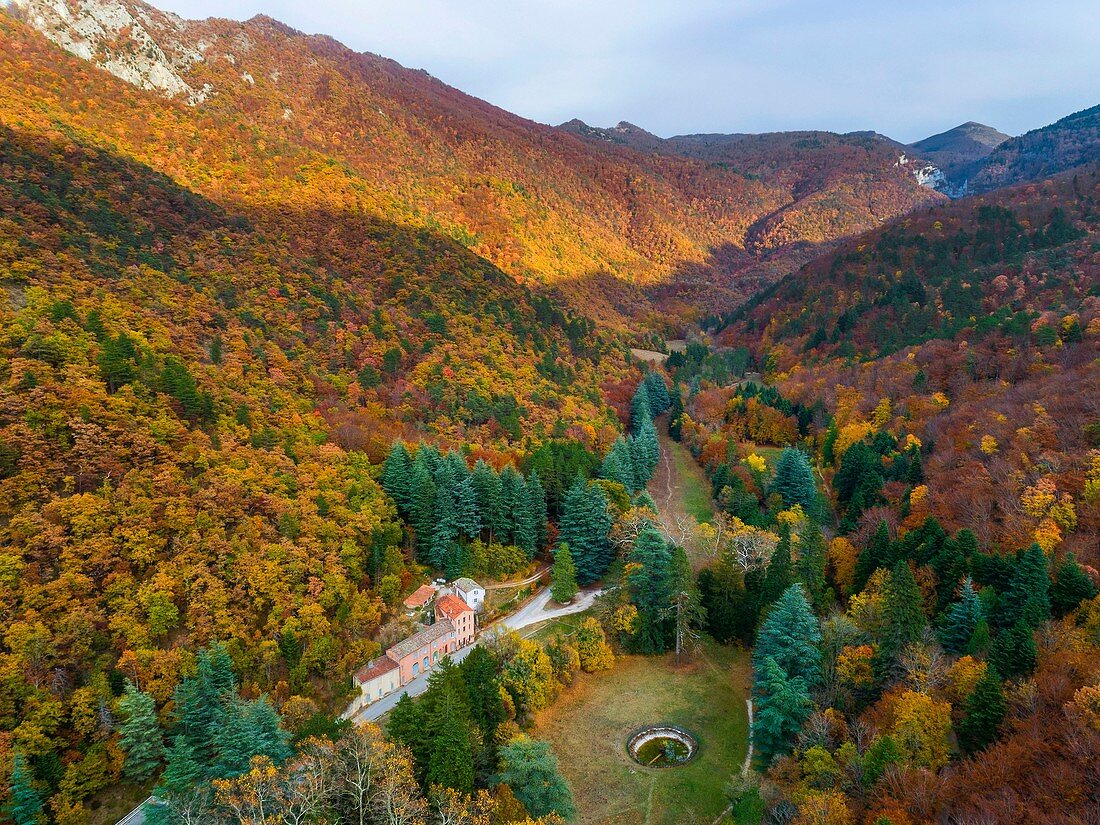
(597, 221)
(973, 327)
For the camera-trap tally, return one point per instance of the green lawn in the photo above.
(694, 487)
(589, 724)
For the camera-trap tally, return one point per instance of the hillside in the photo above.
(593, 220)
(959, 147)
(975, 325)
(1071, 142)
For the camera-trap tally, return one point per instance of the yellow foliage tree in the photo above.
(922, 729)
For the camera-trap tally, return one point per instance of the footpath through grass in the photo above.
(589, 724)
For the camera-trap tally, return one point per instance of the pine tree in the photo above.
(139, 734)
(657, 393)
(529, 768)
(585, 525)
(200, 700)
(878, 553)
(25, 805)
(811, 563)
(961, 620)
(1071, 587)
(685, 602)
(452, 761)
(563, 576)
(1028, 597)
(794, 479)
(903, 617)
(782, 706)
(1013, 651)
(536, 501)
(408, 726)
(675, 414)
(789, 636)
(779, 576)
(397, 472)
(985, 711)
(480, 672)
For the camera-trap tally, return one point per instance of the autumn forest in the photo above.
(297, 334)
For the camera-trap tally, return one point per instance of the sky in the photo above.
(907, 70)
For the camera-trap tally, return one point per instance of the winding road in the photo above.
(535, 611)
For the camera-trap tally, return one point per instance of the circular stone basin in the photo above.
(662, 746)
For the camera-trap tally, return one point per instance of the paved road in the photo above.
(535, 611)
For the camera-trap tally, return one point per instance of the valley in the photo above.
(789, 438)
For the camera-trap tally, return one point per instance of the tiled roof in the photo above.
(466, 585)
(372, 670)
(420, 597)
(422, 639)
(452, 606)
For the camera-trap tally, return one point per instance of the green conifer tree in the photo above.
(490, 499)
(585, 525)
(452, 760)
(782, 706)
(878, 553)
(789, 636)
(675, 414)
(961, 620)
(1028, 597)
(985, 711)
(779, 576)
(794, 479)
(903, 614)
(25, 804)
(1013, 653)
(811, 563)
(1071, 587)
(536, 501)
(650, 586)
(563, 575)
(467, 514)
(397, 476)
(529, 768)
(139, 734)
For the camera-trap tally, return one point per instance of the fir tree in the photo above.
(445, 528)
(467, 514)
(183, 770)
(407, 725)
(489, 499)
(779, 576)
(513, 495)
(25, 805)
(524, 520)
(480, 672)
(250, 729)
(640, 410)
(452, 761)
(422, 507)
(139, 734)
(961, 620)
(657, 393)
(618, 464)
(811, 563)
(529, 768)
(1028, 597)
(782, 706)
(903, 616)
(649, 583)
(536, 501)
(585, 526)
(200, 700)
(794, 479)
(675, 414)
(397, 476)
(1013, 652)
(789, 636)
(985, 711)
(878, 553)
(1071, 587)
(563, 576)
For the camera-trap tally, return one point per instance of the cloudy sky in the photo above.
(681, 66)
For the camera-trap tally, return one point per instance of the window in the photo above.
(426, 663)
(435, 656)
(416, 668)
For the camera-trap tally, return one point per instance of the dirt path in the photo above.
(675, 473)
